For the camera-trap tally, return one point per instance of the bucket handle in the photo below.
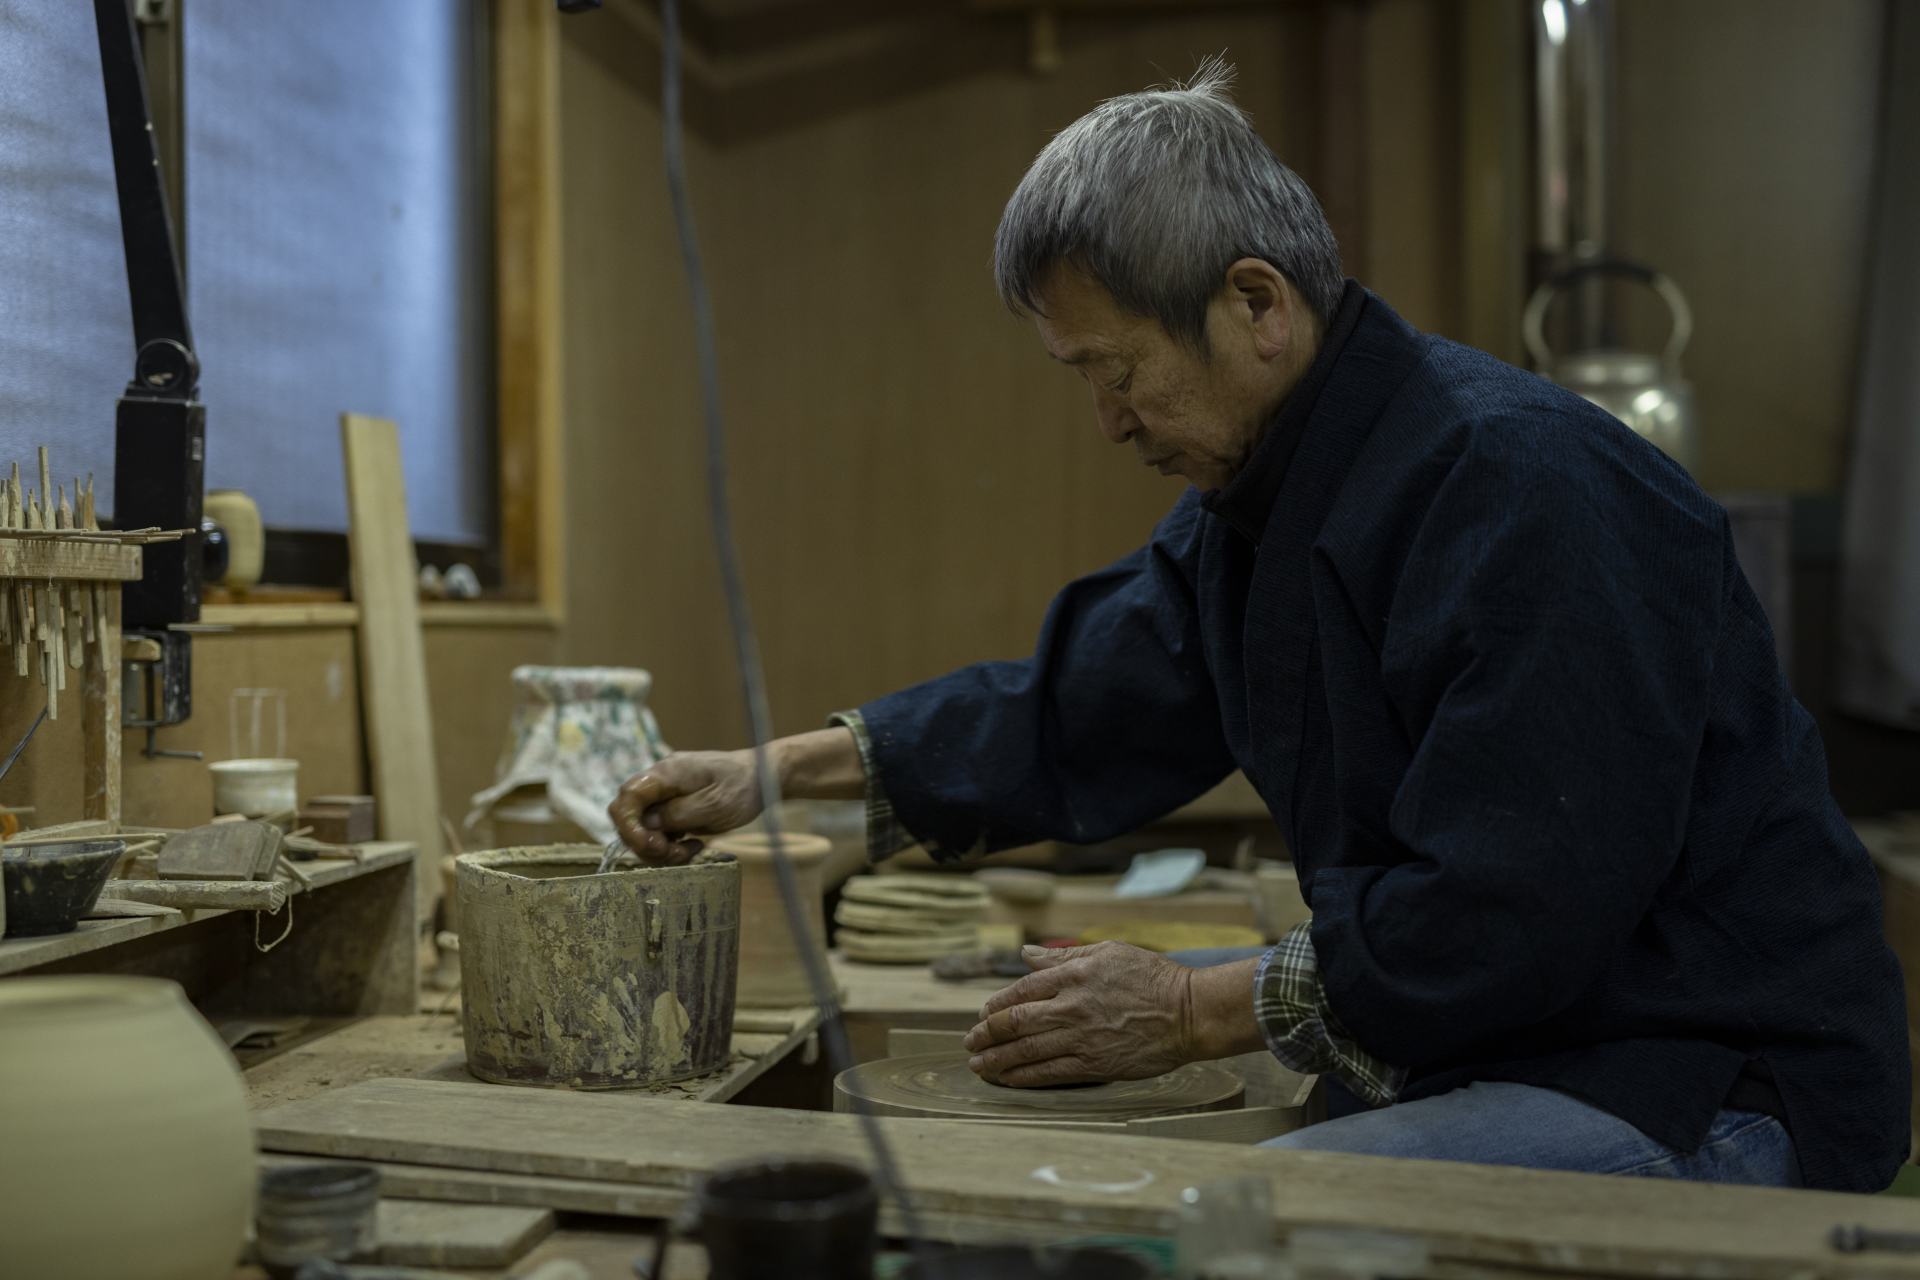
(1533, 322)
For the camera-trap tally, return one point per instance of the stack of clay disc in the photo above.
(909, 918)
(939, 1086)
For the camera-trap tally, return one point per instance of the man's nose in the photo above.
(1117, 421)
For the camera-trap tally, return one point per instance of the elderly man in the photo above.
(1581, 899)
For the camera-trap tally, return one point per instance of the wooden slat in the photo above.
(1463, 1213)
(527, 285)
(393, 660)
(91, 561)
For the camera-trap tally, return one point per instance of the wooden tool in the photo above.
(221, 851)
(939, 1086)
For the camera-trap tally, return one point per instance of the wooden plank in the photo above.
(393, 662)
(632, 1200)
(420, 1233)
(527, 264)
(43, 558)
(101, 722)
(222, 895)
(429, 1046)
(1463, 1213)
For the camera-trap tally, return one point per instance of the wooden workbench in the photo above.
(428, 1046)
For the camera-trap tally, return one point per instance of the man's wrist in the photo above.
(1220, 1018)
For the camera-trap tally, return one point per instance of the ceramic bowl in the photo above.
(50, 886)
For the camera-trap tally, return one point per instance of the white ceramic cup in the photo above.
(255, 787)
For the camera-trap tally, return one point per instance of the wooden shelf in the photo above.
(20, 954)
(42, 558)
(344, 613)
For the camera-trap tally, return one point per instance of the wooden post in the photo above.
(102, 718)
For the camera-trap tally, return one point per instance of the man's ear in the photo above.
(1259, 294)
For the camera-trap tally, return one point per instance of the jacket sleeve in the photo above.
(1549, 649)
(1111, 723)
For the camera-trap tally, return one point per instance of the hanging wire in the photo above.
(833, 1034)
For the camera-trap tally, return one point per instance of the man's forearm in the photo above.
(822, 765)
(1221, 1021)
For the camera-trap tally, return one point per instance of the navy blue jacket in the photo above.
(1493, 667)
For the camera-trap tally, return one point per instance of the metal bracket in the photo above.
(166, 686)
(153, 13)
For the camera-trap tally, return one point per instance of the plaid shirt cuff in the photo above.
(1291, 1005)
(885, 835)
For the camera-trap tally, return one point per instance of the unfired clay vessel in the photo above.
(771, 973)
(126, 1147)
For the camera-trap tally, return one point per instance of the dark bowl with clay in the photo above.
(50, 886)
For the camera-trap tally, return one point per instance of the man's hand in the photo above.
(688, 793)
(1105, 1012)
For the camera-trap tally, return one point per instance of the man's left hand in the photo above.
(1086, 1014)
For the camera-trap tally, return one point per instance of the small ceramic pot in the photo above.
(771, 971)
(257, 788)
(126, 1147)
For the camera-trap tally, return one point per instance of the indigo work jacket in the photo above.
(1489, 660)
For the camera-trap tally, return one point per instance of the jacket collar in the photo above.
(1247, 501)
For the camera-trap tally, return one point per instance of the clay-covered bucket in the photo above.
(574, 980)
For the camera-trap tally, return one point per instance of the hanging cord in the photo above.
(833, 1032)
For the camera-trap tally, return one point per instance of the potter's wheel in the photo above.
(939, 1086)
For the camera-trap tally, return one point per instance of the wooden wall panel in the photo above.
(316, 668)
(1747, 138)
(472, 692)
(913, 478)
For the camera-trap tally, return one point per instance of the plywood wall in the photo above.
(913, 478)
(1747, 139)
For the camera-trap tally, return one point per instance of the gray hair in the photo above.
(1155, 194)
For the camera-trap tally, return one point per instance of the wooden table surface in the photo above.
(429, 1046)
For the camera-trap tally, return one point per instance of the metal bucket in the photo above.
(573, 980)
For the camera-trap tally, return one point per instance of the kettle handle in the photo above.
(1534, 320)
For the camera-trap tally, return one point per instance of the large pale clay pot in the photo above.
(126, 1146)
(771, 976)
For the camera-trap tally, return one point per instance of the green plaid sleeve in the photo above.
(1291, 1005)
(885, 835)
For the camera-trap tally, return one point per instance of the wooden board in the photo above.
(1464, 1213)
(421, 1233)
(45, 558)
(393, 662)
(429, 1046)
(939, 1085)
(100, 736)
(634, 1200)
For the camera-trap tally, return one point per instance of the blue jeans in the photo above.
(1496, 1123)
(1492, 1122)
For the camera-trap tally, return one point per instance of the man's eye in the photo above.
(1120, 387)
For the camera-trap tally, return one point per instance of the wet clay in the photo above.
(941, 1086)
(575, 980)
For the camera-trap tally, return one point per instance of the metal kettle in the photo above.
(1647, 392)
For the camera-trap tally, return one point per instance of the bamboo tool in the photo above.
(56, 564)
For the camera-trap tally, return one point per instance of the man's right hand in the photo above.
(690, 793)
